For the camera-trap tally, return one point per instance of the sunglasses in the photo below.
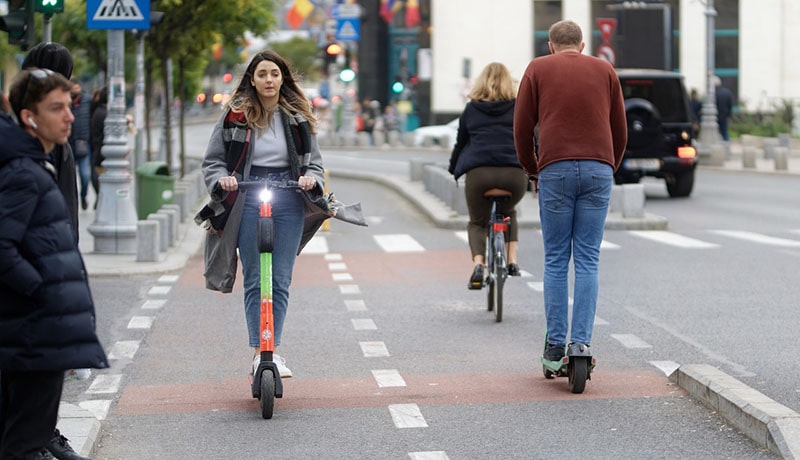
(38, 75)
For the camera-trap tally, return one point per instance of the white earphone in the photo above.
(32, 123)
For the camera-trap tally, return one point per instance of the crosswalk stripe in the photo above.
(673, 239)
(631, 341)
(398, 243)
(667, 367)
(363, 324)
(758, 238)
(355, 305)
(373, 349)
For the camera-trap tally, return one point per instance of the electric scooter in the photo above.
(266, 381)
(576, 365)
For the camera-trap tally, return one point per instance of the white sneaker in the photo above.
(77, 374)
(280, 363)
(284, 371)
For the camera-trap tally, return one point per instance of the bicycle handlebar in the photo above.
(286, 184)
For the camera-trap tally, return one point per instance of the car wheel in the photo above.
(681, 185)
(644, 123)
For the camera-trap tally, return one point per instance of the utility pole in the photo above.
(114, 227)
(709, 129)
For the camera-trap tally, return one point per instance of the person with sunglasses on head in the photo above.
(47, 318)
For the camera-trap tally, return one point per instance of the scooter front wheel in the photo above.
(578, 372)
(267, 393)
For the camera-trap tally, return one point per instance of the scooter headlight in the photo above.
(265, 195)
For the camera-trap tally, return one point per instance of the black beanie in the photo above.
(51, 56)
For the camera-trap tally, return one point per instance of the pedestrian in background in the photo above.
(576, 101)
(696, 105)
(267, 132)
(47, 320)
(97, 135)
(724, 98)
(485, 152)
(56, 57)
(79, 139)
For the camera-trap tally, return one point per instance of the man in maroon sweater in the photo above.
(577, 103)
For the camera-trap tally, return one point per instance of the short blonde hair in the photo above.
(493, 84)
(565, 33)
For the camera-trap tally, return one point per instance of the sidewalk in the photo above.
(767, 422)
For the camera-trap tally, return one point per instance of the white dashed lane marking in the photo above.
(168, 279)
(388, 378)
(631, 341)
(355, 305)
(140, 322)
(317, 245)
(124, 349)
(105, 384)
(364, 324)
(337, 266)
(341, 277)
(153, 304)
(432, 455)
(373, 349)
(667, 367)
(407, 416)
(349, 289)
(159, 290)
(98, 407)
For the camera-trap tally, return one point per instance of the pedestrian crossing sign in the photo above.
(348, 29)
(118, 14)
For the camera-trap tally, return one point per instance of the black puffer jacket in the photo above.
(47, 319)
(485, 137)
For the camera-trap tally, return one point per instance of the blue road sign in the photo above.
(348, 29)
(118, 14)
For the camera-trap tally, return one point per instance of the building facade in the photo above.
(755, 42)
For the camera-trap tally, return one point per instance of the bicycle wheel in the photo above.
(499, 274)
(490, 261)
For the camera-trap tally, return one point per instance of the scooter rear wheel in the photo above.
(267, 393)
(578, 372)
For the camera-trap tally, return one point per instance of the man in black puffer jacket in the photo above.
(47, 321)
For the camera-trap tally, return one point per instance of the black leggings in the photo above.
(478, 181)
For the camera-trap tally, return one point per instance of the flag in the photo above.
(386, 11)
(412, 13)
(298, 12)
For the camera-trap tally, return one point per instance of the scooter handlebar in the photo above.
(250, 184)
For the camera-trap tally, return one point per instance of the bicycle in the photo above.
(496, 252)
(266, 384)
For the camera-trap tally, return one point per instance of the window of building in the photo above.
(545, 14)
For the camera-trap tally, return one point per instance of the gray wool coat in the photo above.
(220, 249)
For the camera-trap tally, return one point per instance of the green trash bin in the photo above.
(155, 187)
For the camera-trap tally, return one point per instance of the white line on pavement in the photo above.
(355, 305)
(105, 384)
(341, 277)
(386, 378)
(432, 455)
(168, 279)
(98, 407)
(673, 239)
(337, 266)
(631, 341)
(364, 324)
(398, 243)
(124, 349)
(153, 304)
(330, 257)
(373, 349)
(140, 322)
(667, 367)
(758, 238)
(159, 290)
(407, 416)
(317, 245)
(349, 289)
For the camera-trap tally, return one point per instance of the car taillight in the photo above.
(687, 152)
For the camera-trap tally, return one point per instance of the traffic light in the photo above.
(332, 52)
(49, 6)
(398, 86)
(19, 22)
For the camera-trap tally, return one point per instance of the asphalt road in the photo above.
(474, 384)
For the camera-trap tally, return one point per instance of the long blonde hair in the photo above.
(291, 99)
(493, 84)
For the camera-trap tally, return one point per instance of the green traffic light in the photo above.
(49, 6)
(398, 87)
(347, 75)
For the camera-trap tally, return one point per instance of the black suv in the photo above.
(660, 130)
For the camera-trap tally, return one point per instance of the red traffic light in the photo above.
(333, 49)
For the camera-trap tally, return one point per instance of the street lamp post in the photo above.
(114, 227)
(709, 129)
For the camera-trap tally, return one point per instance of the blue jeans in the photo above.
(84, 171)
(288, 213)
(573, 203)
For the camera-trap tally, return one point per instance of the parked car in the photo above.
(660, 130)
(437, 134)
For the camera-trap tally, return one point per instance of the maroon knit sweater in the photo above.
(576, 100)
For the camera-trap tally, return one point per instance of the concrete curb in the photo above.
(443, 216)
(79, 426)
(768, 423)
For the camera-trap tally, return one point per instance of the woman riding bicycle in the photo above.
(484, 151)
